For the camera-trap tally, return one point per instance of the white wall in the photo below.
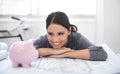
(99, 22)
(108, 23)
(112, 24)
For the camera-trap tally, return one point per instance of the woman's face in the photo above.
(57, 35)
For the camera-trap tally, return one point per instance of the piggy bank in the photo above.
(22, 53)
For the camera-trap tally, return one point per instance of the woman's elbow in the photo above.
(100, 55)
(103, 56)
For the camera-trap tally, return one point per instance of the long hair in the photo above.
(61, 19)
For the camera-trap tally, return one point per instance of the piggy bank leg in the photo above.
(15, 64)
(26, 65)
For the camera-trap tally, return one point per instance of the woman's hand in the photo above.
(78, 54)
(52, 51)
(61, 51)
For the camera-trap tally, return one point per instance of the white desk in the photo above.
(66, 66)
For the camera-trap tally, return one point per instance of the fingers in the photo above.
(61, 51)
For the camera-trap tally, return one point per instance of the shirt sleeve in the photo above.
(97, 53)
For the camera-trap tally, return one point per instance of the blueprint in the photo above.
(63, 65)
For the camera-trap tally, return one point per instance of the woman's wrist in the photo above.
(66, 55)
(61, 51)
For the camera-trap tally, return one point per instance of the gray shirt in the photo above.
(76, 41)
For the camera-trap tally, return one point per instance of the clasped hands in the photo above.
(60, 53)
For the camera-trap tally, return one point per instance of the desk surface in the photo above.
(66, 66)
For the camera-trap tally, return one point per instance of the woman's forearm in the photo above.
(64, 53)
(51, 51)
(45, 51)
(78, 54)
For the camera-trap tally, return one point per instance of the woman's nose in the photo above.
(55, 38)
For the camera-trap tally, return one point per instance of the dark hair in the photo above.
(61, 19)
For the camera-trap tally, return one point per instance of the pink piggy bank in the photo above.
(22, 53)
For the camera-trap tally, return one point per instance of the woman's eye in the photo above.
(60, 33)
(50, 33)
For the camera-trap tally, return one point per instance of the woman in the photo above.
(63, 41)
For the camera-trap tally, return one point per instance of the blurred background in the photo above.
(98, 20)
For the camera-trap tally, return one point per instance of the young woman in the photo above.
(63, 41)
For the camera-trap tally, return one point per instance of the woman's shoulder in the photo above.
(42, 42)
(75, 35)
(42, 38)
